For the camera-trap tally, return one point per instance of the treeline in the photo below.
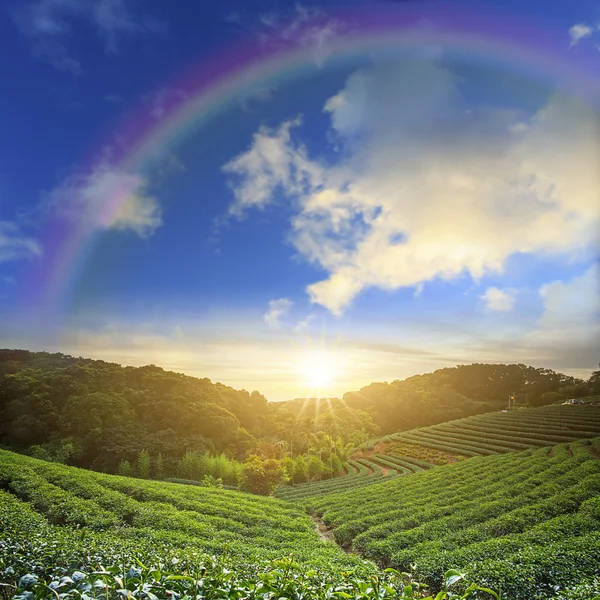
(463, 391)
(150, 422)
(103, 416)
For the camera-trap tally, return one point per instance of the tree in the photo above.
(300, 469)
(289, 466)
(125, 468)
(550, 398)
(336, 464)
(191, 466)
(159, 470)
(594, 382)
(143, 465)
(261, 476)
(316, 467)
(212, 482)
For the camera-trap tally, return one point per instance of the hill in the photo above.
(70, 533)
(456, 392)
(408, 452)
(527, 523)
(95, 414)
(109, 418)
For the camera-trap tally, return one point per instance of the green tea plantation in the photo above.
(412, 451)
(501, 522)
(69, 533)
(527, 523)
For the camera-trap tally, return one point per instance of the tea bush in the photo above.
(527, 523)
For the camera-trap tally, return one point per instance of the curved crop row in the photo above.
(506, 518)
(77, 503)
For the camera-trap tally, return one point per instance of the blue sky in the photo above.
(360, 222)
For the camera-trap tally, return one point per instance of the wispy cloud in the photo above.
(425, 188)
(272, 162)
(277, 310)
(49, 24)
(303, 325)
(572, 308)
(107, 198)
(579, 32)
(313, 28)
(14, 244)
(306, 26)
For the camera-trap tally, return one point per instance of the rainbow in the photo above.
(216, 82)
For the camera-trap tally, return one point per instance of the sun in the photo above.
(317, 369)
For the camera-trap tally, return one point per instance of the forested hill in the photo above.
(102, 412)
(95, 414)
(462, 391)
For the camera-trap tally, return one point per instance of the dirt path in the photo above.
(324, 533)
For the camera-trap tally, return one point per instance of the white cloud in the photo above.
(15, 245)
(276, 311)
(497, 299)
(567, 335)
(426, 189)
(572, 308)
(579, 32)
(48, 24)
(310, 27)
(108, 198)
(302, 326)
(273, 162)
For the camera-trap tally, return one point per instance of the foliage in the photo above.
(261, 475)
(527, 523)
(198, 466)
(95, 414)
(55, 516)
(487, 434)
(125, 468)
(282, 578)
(457, 392)
(144, 464)
(159, 470)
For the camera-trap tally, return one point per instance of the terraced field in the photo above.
(495, 433)
(527, 523)
(482, 435)
(502, 519)
(67, 533)
(363, 472)
(130, 513)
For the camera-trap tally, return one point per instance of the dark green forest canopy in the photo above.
(93, 413)
(461, 391)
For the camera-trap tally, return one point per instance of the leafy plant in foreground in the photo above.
(282, 578)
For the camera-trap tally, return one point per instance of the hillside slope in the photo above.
(408, 452)
(75, 508)
(522, 522)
